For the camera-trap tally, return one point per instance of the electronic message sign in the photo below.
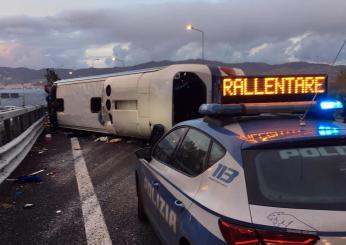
(249, 89)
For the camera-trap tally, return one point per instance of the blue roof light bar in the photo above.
(254, 108)
(327, 130)
(244, 109)
(219, 109)
(331, 104)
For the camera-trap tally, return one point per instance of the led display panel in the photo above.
(251, 89)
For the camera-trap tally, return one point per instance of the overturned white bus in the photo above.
(132, 103)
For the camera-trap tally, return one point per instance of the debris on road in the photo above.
(26, 179)
(37, 172)
(50, 173)
(18, 193)
(115, 140)
(42, 151)
(28, 205)
(6, 205)
(102, 139)
(106, 139)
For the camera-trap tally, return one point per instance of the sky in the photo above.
(89, 33)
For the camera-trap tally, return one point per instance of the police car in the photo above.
(249, 173)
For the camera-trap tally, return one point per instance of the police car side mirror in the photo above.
(144, 153)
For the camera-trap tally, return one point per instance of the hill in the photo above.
(17, 76)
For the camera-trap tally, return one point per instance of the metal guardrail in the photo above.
(19, 129)
(14, 121)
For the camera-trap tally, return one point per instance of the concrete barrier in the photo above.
(21, 128)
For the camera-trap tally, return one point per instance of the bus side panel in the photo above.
(124, 104)
(77, 111)
(143, 91)
(161, 99)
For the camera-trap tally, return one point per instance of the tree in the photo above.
(51, 76)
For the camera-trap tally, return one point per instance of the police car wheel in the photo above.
(142, 216)
(140, 208)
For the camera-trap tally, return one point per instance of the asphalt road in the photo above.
(56, 217)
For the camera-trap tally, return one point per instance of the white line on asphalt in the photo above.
(95, 226)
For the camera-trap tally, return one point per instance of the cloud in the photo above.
(272, 31)
(129, 53)
(191, 50)
(6, 49)
(12, 53)
(295, 47)
(99, 55)
(258, 49)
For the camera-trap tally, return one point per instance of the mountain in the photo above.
(17, 76)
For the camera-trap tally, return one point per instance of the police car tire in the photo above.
(142, 216)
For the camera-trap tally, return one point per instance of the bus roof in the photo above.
(104, 76)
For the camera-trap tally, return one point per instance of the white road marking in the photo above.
(95, 226)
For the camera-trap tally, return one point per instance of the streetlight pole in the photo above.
(189, 28)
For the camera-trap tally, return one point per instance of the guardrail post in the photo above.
(8, 131)
(2, 133)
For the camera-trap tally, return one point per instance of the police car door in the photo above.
(163, 153)
(179, 182)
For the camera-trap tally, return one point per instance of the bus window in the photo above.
(95, 104)
(59, 105)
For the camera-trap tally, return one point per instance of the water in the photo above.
(31, 97)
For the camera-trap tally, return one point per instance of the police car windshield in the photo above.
(313, 177)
